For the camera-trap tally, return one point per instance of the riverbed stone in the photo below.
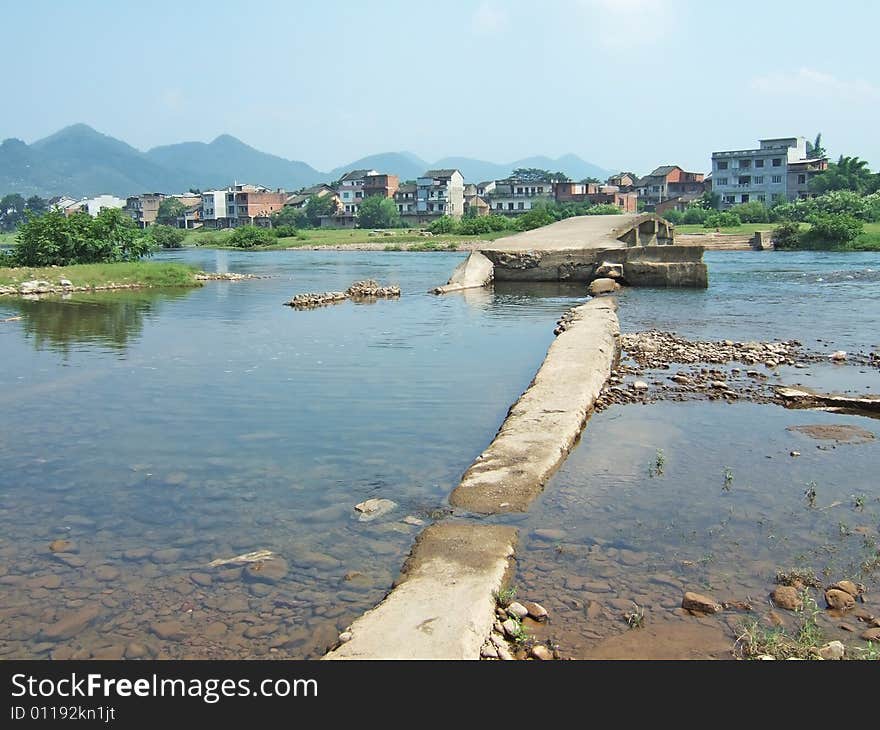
(266, 571)
(374, 508)
(70, 624)
(107, 573)
(833, 650)
(549, 534)
(166, 555)
(168, 630)
(136, 554)
(536, 610)
(109, 653)
(511, 628)
(517, 610)
(63, 546)
(541, 652)
(848, 587)
(838, 599)
(604, 285)
(787, 597)
(201, 579)
(70, 560)
(136, 650)
(870, 634)
(700, 603)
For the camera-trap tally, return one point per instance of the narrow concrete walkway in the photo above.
(443, 605)
(544, 423)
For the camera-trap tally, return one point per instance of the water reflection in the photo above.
(112, 319)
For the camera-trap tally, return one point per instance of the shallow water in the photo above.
(217, 421)
(158, 431)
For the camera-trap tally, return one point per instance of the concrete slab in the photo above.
(443, 605)
(544, 423)
(474, 272)
(586, 231)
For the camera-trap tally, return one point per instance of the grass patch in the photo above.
(756, 640)
(140, 273)
(745, 229)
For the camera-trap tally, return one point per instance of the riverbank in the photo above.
(25, 280)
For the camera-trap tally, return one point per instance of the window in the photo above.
(722, 164)
(729, 198)
(761, 198)
(510, 206)
(802, 179)
(521, 206)
(759, 163)
(499, 206)
(759, 179)
(745, 198)
(722, 180)
(745, 164)
(776, 179)
(777, 162)
(745, 180)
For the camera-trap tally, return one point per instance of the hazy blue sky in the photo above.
(626, 84)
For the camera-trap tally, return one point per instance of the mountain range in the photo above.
(80, 161)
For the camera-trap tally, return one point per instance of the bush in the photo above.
(603, 209)
(695, 214)
(251, 237)
(535, 218)
(834, 230)
(444, 224)
(753, 212)
(676, 217)
(53, 239)
(787, 235)
(284, 231)
(166, 236)
(378, 212)
(484, 224)
(727, 219)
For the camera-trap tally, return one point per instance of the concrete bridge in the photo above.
(639, 249)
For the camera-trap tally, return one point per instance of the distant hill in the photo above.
(227, 159)
(80, 161)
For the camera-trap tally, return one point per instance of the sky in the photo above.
(626, 84)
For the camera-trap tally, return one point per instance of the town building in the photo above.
(380, 184)
(440, 192)
(214, 209)
(514, 196)
(778, 169)
(668, 181)
(252, 204)
(351, 190)
(301, 198)
(623, 180)
(405, 197)
(144, 208)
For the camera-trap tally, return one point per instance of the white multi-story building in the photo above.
(214, 206)
(440, 192)
(351, 190)
(778, 169)
(512, 196)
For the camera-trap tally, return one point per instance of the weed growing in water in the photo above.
(656, 469)
(811, 494)
(728, 479)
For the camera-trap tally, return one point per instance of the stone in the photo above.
(699, 603)
(63, 546)
(201, 579)
(136, 554)
(69, 559)
(794, 453)
(838, 599)
(166, 555)
(70, 624)
(107, 573)
(640, 385)
(168, 630)
(511, 628)
(410, 520)
(601, 286)
(488, 651)
(372, 509)
(260, 630)
(548, 534)
(848, 587)
(838, 355)
(787, 597)
(260, 590)
(345, 637)
(517, 610)
(536, 611)
(833, 650)
(50, 582)
(109, 653)
(266, 571)
(610, 270)
(541, 652)
(215, 629)
(870, 634)
(136, 650)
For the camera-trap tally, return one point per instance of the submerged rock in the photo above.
(787, 597)
(70, 624)
(371, 509)
(602, 286)
(699, 603)
(839, 600)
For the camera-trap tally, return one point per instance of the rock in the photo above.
(167, 555)
(266, 571)
(410, 520)
(70, 560)
(539, 651)
(168, 630)
(345, 637)
(70, 624)
(201, 579)
(136, 650)
(107, 573)
(717, 384)
(610, 270)
(260, 590)
(371, 509)
(536, 611)
(832, 650)
(602, 286)
(870, 634)
(259, 631)
(548, 534)
(838, 599)
(488, 651)
(50, 582)
(640, 385)
(63, 546)
(517, 610)
(215, 629)
(787, 597)
(701, 604)
(65, 282)
(109, 653)
(847, 586)
(511, 628)
(136, 554)
(794, 453)
(838, 355)
(766, 658)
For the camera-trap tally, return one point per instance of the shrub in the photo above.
(787, 235)
(535, 218)
(377, 211)
(484, 224)
(444, 224)
(833, 230)
(676, 217)
(166, 236)
(695, 214)
(727, 219)
(753, 212)
(603, 209)
(251, 237)
(53, 239)
(284, 231)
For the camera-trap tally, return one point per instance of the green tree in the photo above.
(12, 209)
(318, 206)
(443, 224)
(37, 205)
(751, 212)
(169, 211)
(848, 173)
(251, 237)
(290, 216)
(166, 236)
(377, 211)
(531, 174)
(815, 149)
